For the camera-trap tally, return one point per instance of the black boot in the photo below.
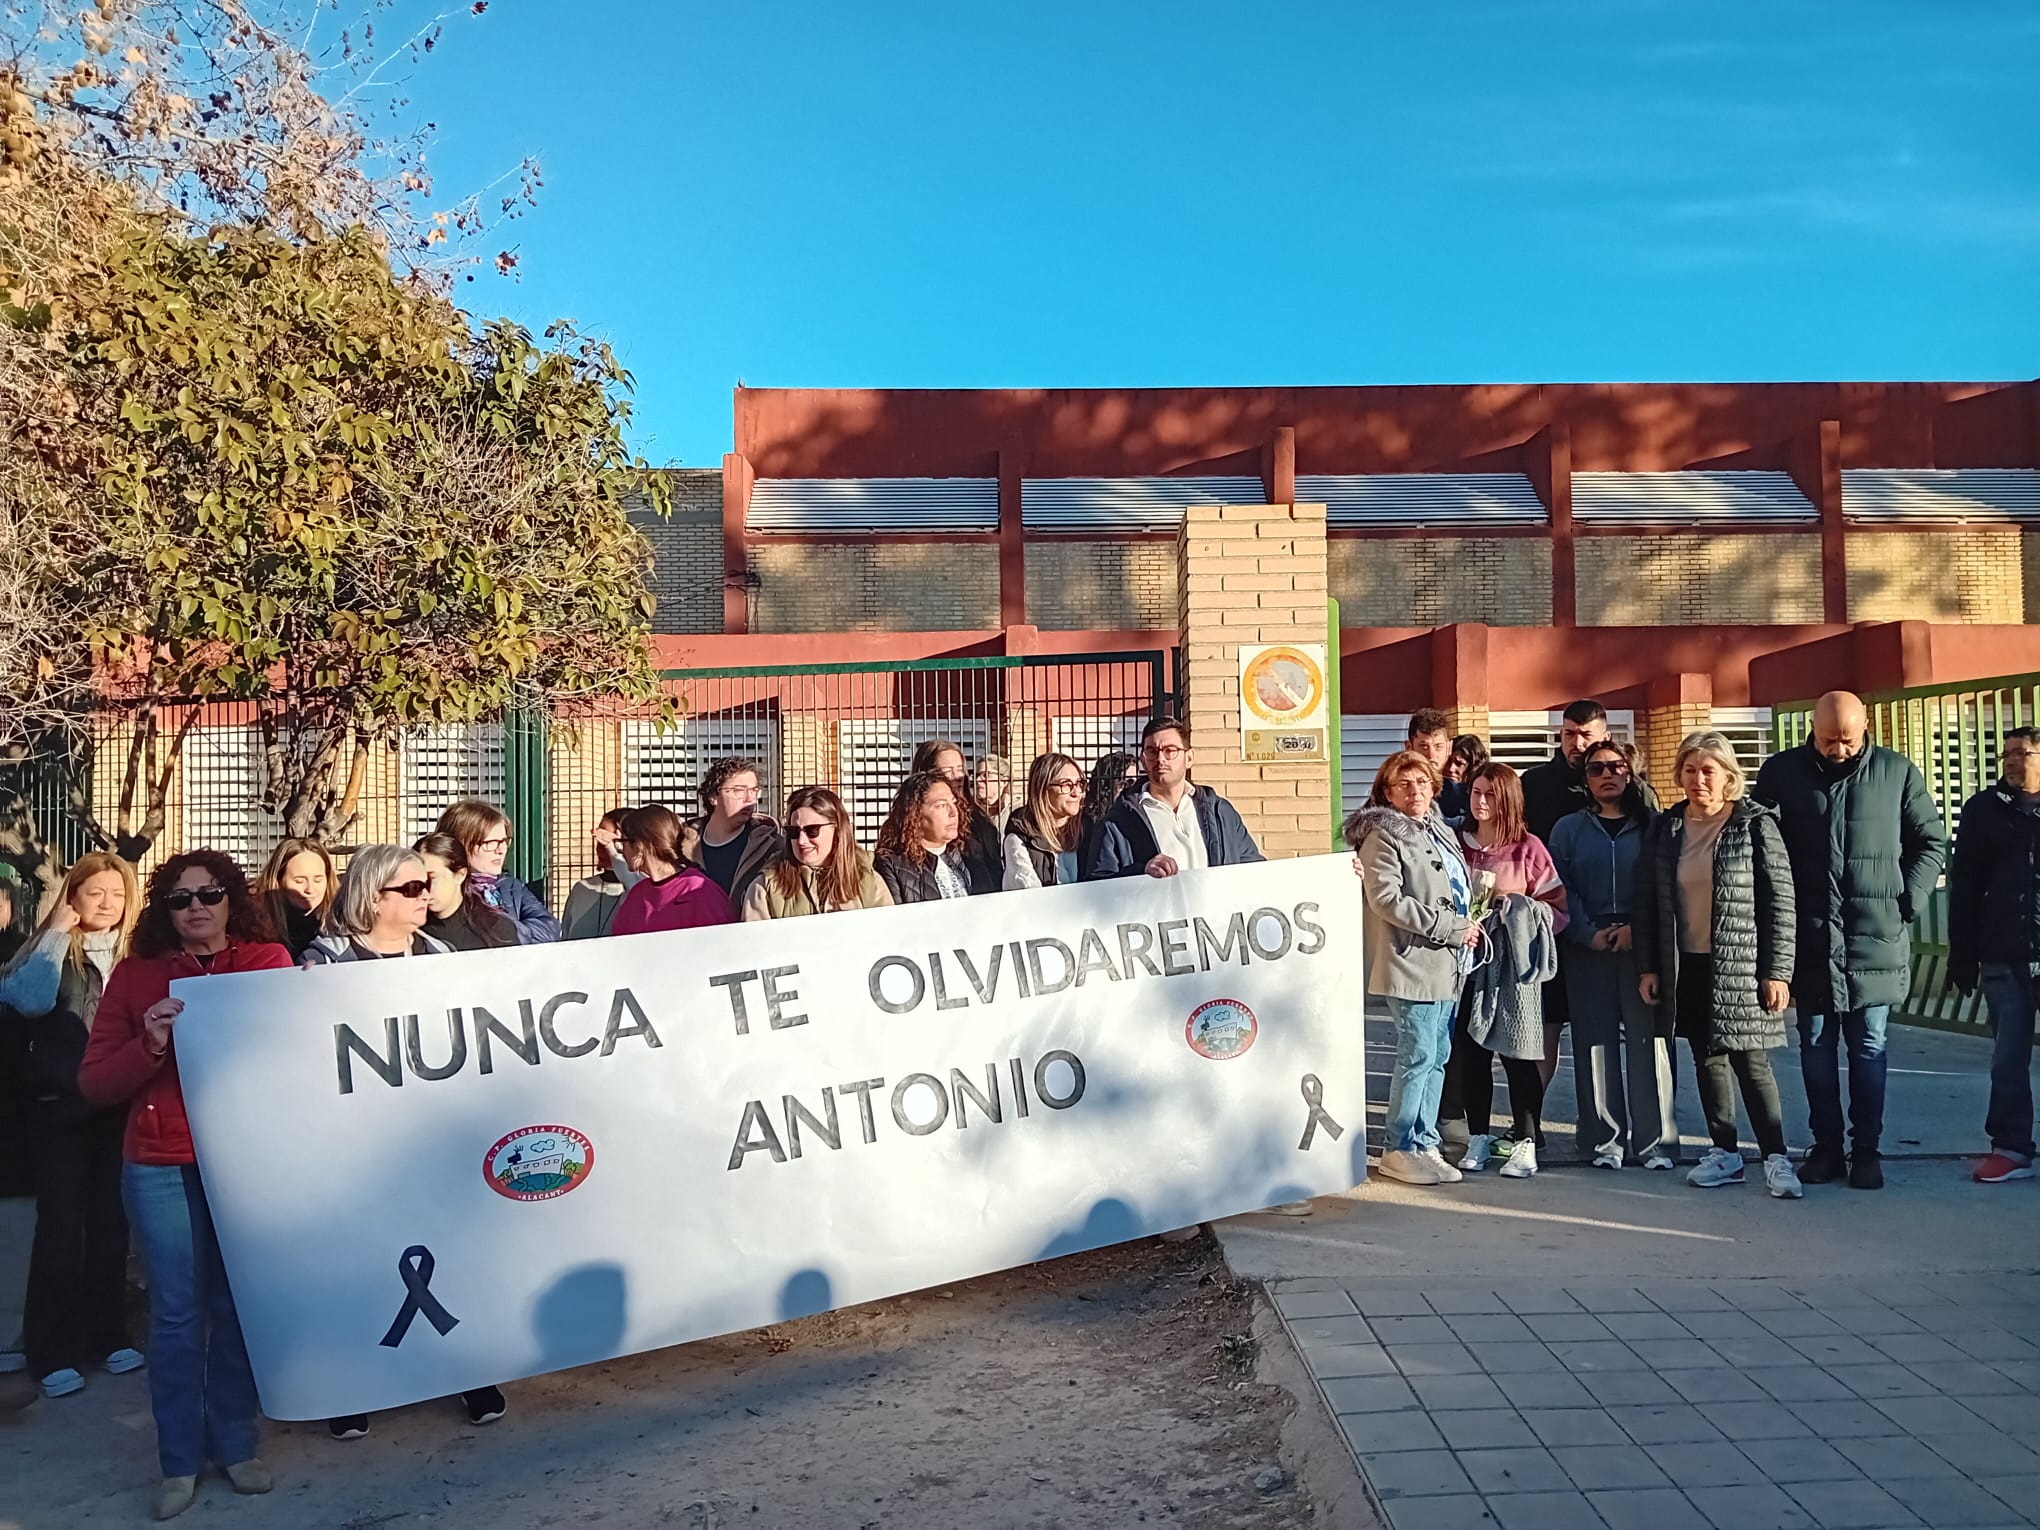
(1866, 1167)
(1824, 1163)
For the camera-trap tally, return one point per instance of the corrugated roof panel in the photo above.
(874, 504)
(1682, 499)
(1127, 504)
(1895, 496)
(1423, 499)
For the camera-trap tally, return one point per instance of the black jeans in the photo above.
(1721, 1074)
(1474, 1066)
(77, 1266)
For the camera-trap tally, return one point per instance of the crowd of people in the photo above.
(1501, 909)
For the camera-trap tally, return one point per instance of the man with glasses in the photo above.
(731, 841)
(1994, 938)
(1866, 844)
(1169, 825)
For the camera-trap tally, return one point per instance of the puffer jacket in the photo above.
(1413, 931)
(765, 899)
(911, 883)
(1751, 928)
(1866, 843)
(1994, 885)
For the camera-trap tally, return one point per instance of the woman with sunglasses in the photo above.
(199, 918)
(381, 909)
(1045, 831)
(1622, 1069)
(821, 870)
(380, 914)
(484, 832)
(674, 894)
(455, 914)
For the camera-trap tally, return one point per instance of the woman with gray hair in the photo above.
(1714, 947)
(380, 910)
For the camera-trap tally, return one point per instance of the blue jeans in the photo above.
(2009, 991)
(1423, 1043)
(1820, 1039)
(201, 1386)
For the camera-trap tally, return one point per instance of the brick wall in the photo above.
(1663, 730)
(687, 553)
(1667, 581)
(1976, 574)
(891, 585)
(1109, 586)
(1431, 581)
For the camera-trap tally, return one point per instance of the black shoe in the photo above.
(1824, 1163)
(352, 1427)
(484, 1405)
(1866, 1169)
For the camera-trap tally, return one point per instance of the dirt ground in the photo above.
(1134, 1385)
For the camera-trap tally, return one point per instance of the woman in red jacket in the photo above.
(199, 917)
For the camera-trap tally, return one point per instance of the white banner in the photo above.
(436, 1174)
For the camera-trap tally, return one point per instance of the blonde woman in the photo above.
(77, 1265)
(1043, 833)
(822, 870)
(1714, 943)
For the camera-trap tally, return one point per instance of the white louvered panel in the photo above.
(1423, 499)
(1524, 739)
(1897, 496)
(1366, 740)
(1748, 730)
(220, 781)
(1127, 504)
(1087, 739)
(1681, 499)
(873, 754)
(874, 504)
(665, 767)
(439, 766)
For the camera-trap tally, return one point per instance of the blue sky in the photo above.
(1105, 194)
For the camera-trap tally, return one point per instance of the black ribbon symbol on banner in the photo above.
(415, 1265)
(1314, 1097)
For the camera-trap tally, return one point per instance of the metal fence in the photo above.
(1954, 734)
(850, 727)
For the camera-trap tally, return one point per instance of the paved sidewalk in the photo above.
(1597, 1351)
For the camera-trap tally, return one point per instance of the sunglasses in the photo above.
(410, 889)
(1607, 768)
(178, 899)
(812, 832)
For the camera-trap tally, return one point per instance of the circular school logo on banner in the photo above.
(1221, 1028)
(537, 1163)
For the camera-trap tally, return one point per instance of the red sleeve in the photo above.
(116, 1063)
(630, 913)
(264, 957)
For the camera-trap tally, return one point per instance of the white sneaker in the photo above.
(1476, 1156)
(1410, 1168)
(12, 1360)
(121, 1361)
(1447, 1175)
(1292, 1209)
(1717, 1167)
(1659, 1163)
(62, 1383)
(1781, 1179)
(1607, 1160)
(1522, 1163)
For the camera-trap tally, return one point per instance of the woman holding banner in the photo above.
(821, 869)
(1419, 941)
(922, 846)
(1043, 835)
(199, 919)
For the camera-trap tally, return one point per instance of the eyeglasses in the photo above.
(1163, 751)
(410, 889)
(1607, 768)
(502, 842)
(1067, 784)
(178, 899)
(811, 832)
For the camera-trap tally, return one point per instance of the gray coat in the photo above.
(1503, 1008)
(1412, 930)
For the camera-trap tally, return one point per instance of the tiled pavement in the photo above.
(1685, 1404)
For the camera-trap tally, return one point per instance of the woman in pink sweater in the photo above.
(673, 895)
(1502, 857)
